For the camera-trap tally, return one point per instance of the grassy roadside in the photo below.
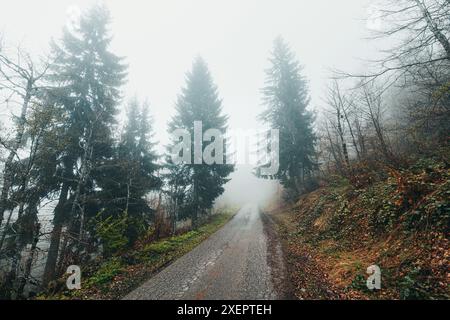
(400, 223)
(119, 275)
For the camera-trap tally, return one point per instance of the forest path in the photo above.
(231, 264)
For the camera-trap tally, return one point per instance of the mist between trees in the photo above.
(226, 148)
(73, 189)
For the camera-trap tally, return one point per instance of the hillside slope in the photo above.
(400, 223)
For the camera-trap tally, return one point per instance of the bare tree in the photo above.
(338, 120)
(32, 182)
(333, 148)
(19, 78)
(373, 108)
(423, 27)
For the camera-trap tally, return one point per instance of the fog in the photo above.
(160, 39)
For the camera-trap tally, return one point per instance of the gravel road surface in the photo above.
(231, 264)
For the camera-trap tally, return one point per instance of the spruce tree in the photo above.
(87, 78)
(132, 173)
(199, 101)
(286, 99)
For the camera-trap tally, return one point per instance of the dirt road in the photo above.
(231, 264)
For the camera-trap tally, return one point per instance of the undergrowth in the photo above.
(398, 220)
(116, 276)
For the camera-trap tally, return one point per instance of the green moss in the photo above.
(106, 272)
(159, 247)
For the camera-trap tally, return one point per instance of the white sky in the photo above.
(160, 39)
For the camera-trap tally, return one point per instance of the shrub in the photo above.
(411, 287)
(111, 232)
(106, 272)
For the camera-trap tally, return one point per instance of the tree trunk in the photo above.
(352, 135)
(341, 136)
(434, 28)
(333, 151)
(52, 257)
(29, 263)
(7, 172)
(195, 207)
(80, 193)
(5, 230)
(360, 139)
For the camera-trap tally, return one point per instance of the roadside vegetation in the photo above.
(400, 223)
(115, 277)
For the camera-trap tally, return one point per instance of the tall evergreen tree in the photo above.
(199, 101)
(286, 99)
(132, 174)
(88, 79)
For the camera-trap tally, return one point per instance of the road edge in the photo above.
(276, 259)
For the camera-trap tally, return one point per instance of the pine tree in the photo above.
(132, 173)
(286, 99)
(87, 77)
(199, 101)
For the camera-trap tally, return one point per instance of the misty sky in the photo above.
(160, 39)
